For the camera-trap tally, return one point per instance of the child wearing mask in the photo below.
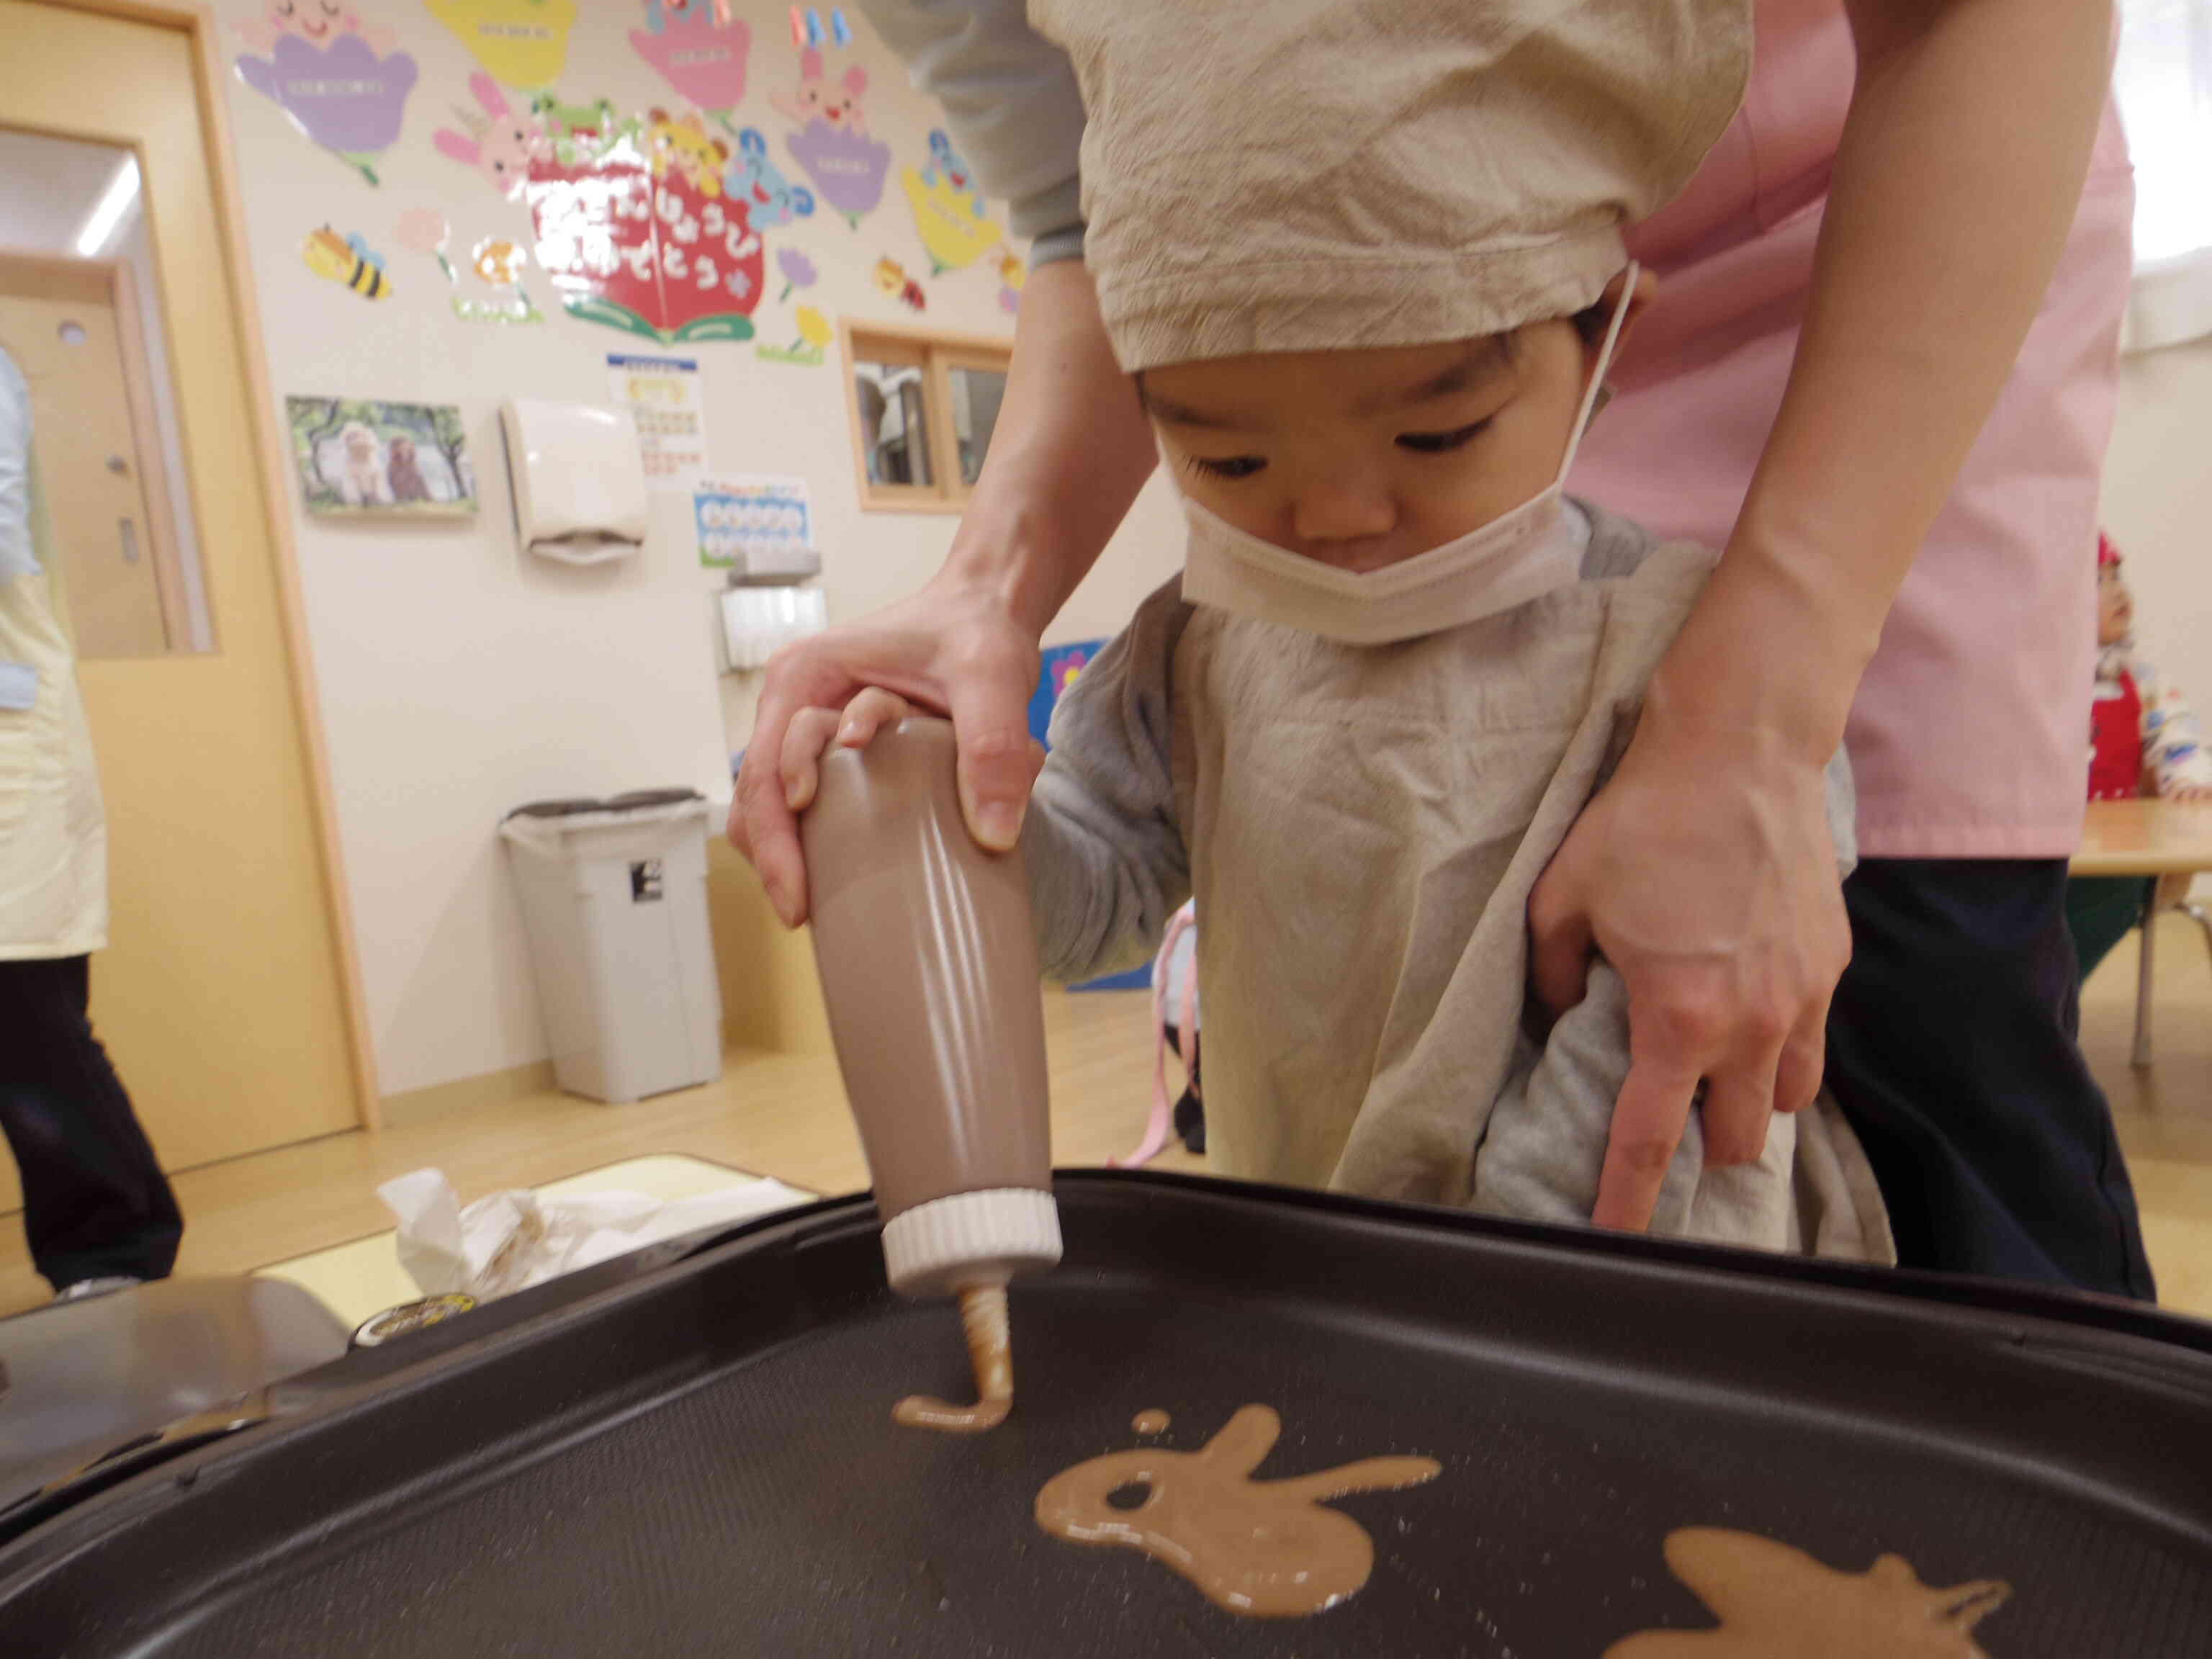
(1366, 271)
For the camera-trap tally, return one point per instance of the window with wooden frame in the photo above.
(924, 404)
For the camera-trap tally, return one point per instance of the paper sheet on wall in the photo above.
(664, 397)
(757, 518)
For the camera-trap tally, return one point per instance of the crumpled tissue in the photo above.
(511, 1240)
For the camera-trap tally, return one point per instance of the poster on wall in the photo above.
(663, 396)
(357, 455)
(760, 519)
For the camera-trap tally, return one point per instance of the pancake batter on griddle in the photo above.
(1777, 1602)
(990, 1350)
(1265, 1548)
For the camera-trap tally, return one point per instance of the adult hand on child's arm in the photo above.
(1703, 870)
(1070, 452)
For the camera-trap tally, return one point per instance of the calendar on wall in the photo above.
(664, 397)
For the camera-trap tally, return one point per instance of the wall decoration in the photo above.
(359, 456)
(572, 128)
(1013, 276)
(342, 91)
(949, 214)
(659, 258)
(891, 278)
(699, 53)
(424, 230)
(524, 42)
(499, 144)
(809, 349)
(683, 142)
(797, 271)
(662, 397)
(753, 178)
(315, 24)
(847, 166)
(762, 515)
(806, 30)
(347, 261)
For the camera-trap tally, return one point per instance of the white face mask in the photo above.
(1511, 560)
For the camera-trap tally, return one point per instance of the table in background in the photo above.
(2149, 838)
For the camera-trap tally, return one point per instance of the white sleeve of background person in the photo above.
(17, 556)
(1011, 101)
(1107, 862)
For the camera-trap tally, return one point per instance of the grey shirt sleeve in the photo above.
(1107, 862)
(1011, 100)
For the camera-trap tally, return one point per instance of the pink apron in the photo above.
(1969, 730)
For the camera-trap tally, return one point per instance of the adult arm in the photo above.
(1703, 872)
(1070, 452)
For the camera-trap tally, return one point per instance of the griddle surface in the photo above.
(762, 1501)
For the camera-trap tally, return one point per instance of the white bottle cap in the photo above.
(950, 1244)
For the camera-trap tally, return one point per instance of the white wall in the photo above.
(2157, 506)
(458, 676)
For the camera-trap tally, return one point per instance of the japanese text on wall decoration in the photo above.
(632, 222)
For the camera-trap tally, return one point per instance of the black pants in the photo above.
(1952, 1048)
(94, 1201)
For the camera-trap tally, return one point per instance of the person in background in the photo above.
(2143, 740)
(98, 1211)
(1881, 375)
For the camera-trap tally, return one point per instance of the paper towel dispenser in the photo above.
(757, 622)
(579, 481)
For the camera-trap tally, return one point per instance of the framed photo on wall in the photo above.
(357, 455)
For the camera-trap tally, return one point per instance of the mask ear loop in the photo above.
(1595, 394)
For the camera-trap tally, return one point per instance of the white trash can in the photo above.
(614, 897)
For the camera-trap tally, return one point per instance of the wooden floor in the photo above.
(784, 1115)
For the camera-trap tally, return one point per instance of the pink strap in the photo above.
(1162, 1122)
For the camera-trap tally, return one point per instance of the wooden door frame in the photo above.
(272, 451)
(109, 283)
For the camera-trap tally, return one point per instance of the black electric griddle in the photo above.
(693, 1455)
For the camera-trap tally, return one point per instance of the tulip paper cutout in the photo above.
(949, 210)
(845, 167)
(809, 349)
(344, 94)
(524, 42)
(702, 58)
